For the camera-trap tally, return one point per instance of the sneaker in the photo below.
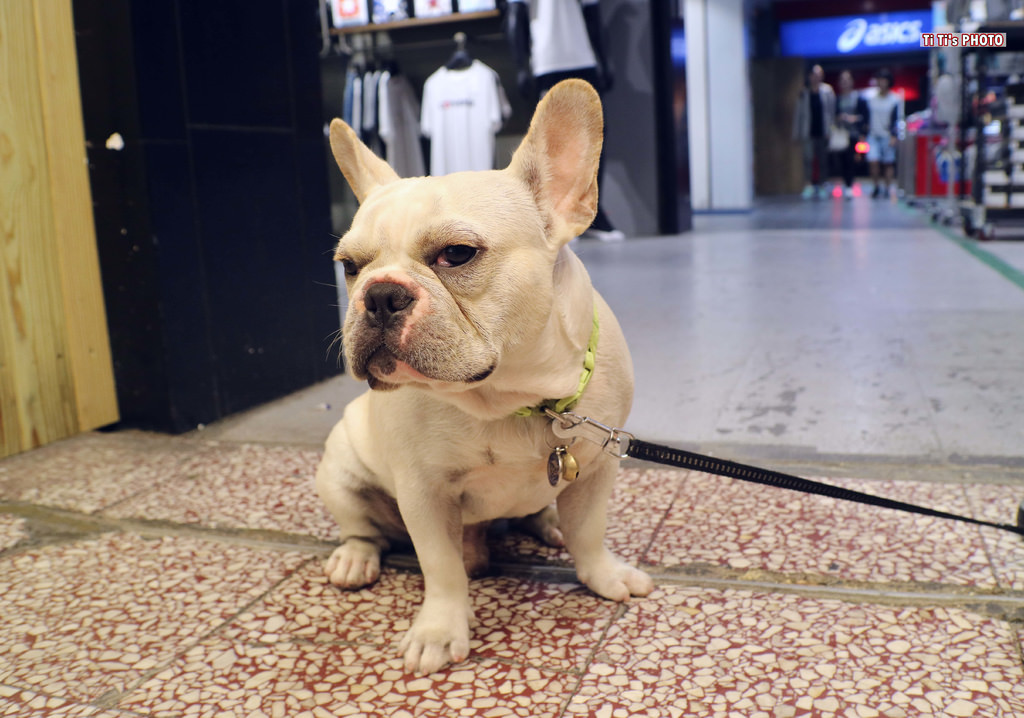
(848, 192)
(808, 192)
(605, 235)
(877, 192)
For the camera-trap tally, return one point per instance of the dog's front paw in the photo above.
(437, 638)
(614, 579)
(354, 564)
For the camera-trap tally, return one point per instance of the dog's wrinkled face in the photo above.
(444, 274)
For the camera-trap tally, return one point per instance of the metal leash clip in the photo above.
(567, 425)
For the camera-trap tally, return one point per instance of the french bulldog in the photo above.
(466, 305)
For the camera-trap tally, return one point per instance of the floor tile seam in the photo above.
(664, 516)
(405, 561)
(96, 708)
(113, 700)
(159, 485)
(1010, 601)
(76, 526)
(1002, 606)
(985, 544)
(262, 539)
(1018, 642)
(621, 610)
(226, 443)
(538, 570)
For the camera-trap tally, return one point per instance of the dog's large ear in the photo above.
(364, 170)
(559, 156)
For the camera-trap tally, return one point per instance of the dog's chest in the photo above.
(511, 482)
(505, 490)
(502, 473)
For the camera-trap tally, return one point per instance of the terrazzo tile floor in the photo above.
(148, 576)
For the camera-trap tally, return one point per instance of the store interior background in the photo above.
(215, 221)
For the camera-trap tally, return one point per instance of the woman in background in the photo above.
(851, 121)
(812, 122)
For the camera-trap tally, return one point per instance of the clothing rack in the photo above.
(350, 40)
(457, 17)
(997, 175)
(418, 22)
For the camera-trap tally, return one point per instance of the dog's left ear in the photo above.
(559, 156)
(364, 170)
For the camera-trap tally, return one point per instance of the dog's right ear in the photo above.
(364, 170)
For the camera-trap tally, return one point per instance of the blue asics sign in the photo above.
(855, 34)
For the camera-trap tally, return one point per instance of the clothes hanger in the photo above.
(461, 59)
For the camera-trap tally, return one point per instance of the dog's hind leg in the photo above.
(476, 556)
(543, 526)
(365, 513)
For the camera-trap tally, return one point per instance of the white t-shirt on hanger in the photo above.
(462, 111)
(558, 36)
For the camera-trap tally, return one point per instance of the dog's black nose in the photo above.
(384, 301)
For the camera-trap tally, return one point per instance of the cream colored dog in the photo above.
(466, 305)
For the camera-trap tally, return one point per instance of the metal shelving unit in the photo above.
(997, 180)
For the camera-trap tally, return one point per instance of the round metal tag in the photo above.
(562, 465)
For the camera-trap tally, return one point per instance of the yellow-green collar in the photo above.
(569, 402)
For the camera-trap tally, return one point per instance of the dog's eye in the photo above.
(350, 267)
(455, 255)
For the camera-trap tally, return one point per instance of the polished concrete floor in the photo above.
(808, 332)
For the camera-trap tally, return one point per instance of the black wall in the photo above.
(213, 222)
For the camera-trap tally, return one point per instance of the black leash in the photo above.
(622, 444)
(722, 467)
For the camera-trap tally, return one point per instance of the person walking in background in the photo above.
(851, 124)
(812, 122)
(885, 113)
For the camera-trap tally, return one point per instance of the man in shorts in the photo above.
(885, 116)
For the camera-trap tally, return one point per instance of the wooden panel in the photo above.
(778, 161)
(84, 312)
(41, 225)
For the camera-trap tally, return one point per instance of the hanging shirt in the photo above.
(558, 36)
(462, 111)
(346, 108)
(357, 104)
(398, 115)
(370, 80)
